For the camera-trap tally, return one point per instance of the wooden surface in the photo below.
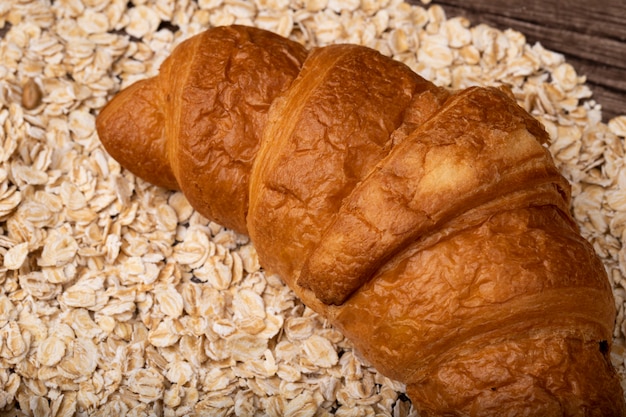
(590, 33)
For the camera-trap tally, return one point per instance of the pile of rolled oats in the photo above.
(117, 298)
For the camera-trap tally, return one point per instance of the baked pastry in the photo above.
(213, 93)
(431, 227)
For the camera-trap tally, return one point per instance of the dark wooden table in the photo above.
(590, 33)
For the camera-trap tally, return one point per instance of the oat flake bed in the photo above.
(118, 299)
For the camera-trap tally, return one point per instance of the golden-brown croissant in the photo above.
(431, 227)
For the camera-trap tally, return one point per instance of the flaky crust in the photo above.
(431, 227)
(216, 112)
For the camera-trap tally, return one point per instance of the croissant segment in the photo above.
(217, 108)
(431, 227)
(135, 123)
(422, 182)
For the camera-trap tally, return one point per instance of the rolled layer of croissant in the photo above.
(197, 125)
(466, 156)
(432, 228)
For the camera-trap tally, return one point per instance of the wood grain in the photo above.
(591, 35)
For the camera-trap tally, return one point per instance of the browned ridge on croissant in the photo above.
(430, 226)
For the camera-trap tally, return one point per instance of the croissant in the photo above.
(431, 227)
